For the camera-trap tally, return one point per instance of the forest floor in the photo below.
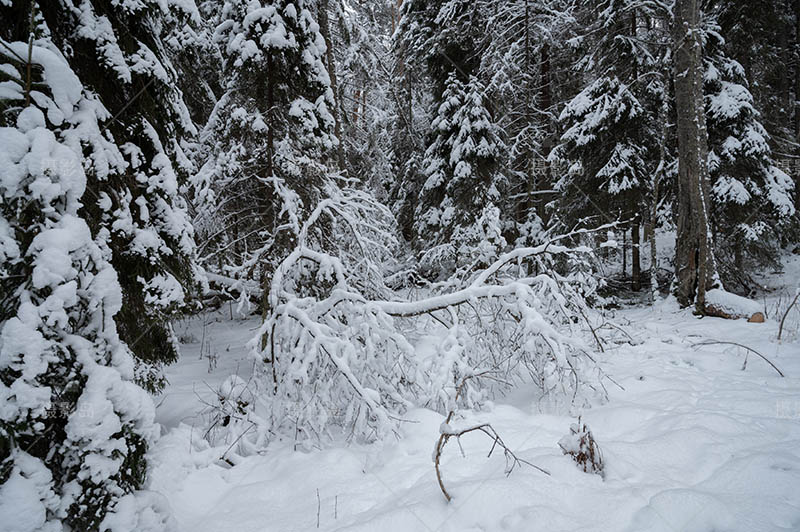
(696, 441)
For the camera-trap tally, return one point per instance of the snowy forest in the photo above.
(399, 265)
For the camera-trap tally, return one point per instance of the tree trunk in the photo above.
(796, 97)
(651, 228)
(797, 72)
(783, 81)
(624, 253)
(545, 97)
(636, 265)
(695, 266)
(325, 30)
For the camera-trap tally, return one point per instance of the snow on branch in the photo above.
(339, 360)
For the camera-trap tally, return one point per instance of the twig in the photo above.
(714, 342)
(794, 301)
(237, 440)
(487, 429)
(318, 506)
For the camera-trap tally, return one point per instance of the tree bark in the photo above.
(624, 253)
(695, 267)
(636, 265)
(325, 30)
(797, 70)
(650, 228)
(796, 96)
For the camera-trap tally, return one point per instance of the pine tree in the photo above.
(269, 137)
(752, 198)
(74, 428)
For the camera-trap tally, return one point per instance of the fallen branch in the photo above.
(783, 319)
(714, 342)
(447, 432)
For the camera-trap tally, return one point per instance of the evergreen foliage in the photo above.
(752, 198)
(74, 427)
(268, 137)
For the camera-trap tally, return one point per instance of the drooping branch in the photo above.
(783, 318)
(716, 342)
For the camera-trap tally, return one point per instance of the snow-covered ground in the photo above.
(693, 442)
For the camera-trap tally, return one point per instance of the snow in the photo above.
(693, 442)
(731, 304)
(22, 508)
(142, 511)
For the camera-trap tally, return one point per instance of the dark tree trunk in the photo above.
(796, 97)
(636, 266)
(797, 70)
(545, 97)
(695, 266)
(783, 81)
(624, 253)
(325, 30)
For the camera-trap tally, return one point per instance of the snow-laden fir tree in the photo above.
(116, 50)
(604, 148)
(752, 199)
(763, 38)
(462, 166)
(442, 37)
(609, 146)
(187, 39)
(524, 62)
(267, 140)
(74, 427)
(433, 39)
(367, 96)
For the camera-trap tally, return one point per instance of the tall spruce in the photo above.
(74, 427)
(434, 40)
(116, 50)
(268, 138)
(753, 201)
(462, 166)
(609, 146)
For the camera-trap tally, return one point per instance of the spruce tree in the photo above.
(461, 165)
(133, 193)
(752, 199)
(74, 427)
(609, 145)
(268, 137)
(433, 40)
